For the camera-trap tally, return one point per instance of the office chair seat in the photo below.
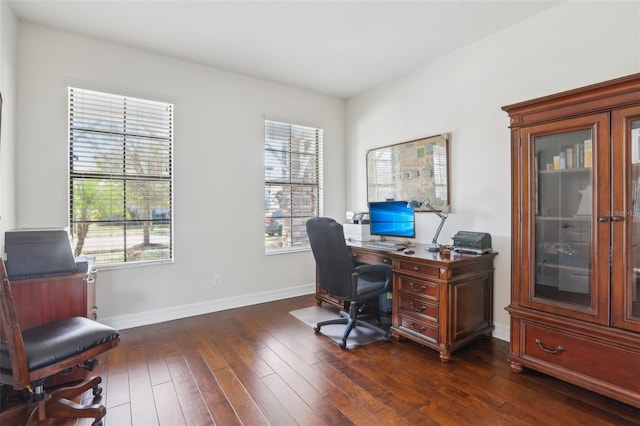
(50, 343)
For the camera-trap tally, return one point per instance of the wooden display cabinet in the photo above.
(575, 311)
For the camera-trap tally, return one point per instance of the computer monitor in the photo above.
(392, 219)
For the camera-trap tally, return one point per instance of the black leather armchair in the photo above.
(340, 277)
(28, 358)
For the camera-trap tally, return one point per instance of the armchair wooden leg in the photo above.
(14, 416)
(37, 414)
(64, 408)
(58, 404)
(73, 391)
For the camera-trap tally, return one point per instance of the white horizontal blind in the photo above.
(120, 177)
(293, 183)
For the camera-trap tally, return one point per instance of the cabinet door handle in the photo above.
(420, 309)
(557, 350)
(422, 287)
(613, 219)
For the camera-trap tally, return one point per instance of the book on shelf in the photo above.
(579, 155)
(635, 146)
(570, 158)
(563, 160)
(635, 195)
(588, 153)
(573, 156)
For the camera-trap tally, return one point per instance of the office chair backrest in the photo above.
(11, 336)
(333, 259)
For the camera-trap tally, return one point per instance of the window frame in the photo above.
(302, 183)
(126, 152)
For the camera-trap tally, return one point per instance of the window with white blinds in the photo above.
(292, 184)
(120, 177)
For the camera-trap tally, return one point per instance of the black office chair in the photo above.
(29, 357)
(340, 277)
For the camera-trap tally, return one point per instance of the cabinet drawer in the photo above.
(418, 268)
(417, 306)
(425, 329)
(583, 354)
(415, 287)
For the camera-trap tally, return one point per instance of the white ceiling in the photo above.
(340, 48)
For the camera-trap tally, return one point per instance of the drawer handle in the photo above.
(422, 287)
(416, 268)
(557, 350)
(420, 309)
(385, 260)
(418, 329)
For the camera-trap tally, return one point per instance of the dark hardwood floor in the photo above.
(261, 366)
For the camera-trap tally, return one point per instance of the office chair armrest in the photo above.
(375, 269)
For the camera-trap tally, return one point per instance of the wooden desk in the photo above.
(440, 302)
(41, 300)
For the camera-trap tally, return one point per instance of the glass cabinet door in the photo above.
(626, 219)
(565, 254)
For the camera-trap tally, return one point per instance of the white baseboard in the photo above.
(122, 322)
(176, 312)
(502, 332)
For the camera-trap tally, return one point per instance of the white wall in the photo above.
(569, 46)
(8, 37)
(219, 174)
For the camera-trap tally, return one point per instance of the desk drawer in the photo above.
(582, 354)
(417, 306)
(418, 268)
(424, 329)
(362, 256)
(414, 287)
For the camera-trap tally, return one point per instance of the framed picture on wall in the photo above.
(416, 170)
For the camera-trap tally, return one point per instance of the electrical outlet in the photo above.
(216, 280)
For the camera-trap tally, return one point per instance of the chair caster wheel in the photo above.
(90, 364)
(343, 345)
(97, 390)
(316, 329)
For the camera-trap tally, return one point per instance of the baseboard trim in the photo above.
(177, 312)
(123, 322)
(502, 332)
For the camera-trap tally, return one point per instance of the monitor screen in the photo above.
(392, 219)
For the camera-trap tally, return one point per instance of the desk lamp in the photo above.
(413, 204)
